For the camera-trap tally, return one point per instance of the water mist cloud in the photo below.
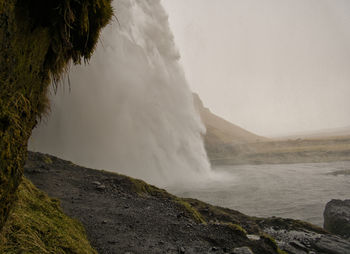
(130, 110)
(273, 67)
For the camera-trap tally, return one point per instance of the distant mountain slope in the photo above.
(227, 143)
(220, 131)
(324, 133)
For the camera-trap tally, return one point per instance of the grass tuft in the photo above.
(190, 210)
(142, 188)
(37, 225)
(272, 242)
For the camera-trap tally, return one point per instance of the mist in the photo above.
(273, 67)
(130, 109)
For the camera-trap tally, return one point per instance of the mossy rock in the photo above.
(269, 240)
(142, 188)
(37, 225)
(38, 39)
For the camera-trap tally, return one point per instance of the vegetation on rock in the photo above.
(142, 188)
(123, 214)
(37, 225)
(38, 40)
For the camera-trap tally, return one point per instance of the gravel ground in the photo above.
(120, 218)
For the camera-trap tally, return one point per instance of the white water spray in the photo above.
(130, 110)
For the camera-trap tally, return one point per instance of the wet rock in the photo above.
(253, 237)
(306, 242)
(337, 217)
(299, 245)
(35, 170)
(182, 250)
(101, 187)
(332, 245)
(242, 250)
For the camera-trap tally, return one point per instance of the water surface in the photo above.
(298, 191)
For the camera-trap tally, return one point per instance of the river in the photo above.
(298, 191)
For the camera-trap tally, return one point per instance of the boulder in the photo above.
(337, 217)
(242, 250)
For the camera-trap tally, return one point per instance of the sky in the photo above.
(273, 67)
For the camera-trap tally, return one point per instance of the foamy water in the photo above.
(298, 191)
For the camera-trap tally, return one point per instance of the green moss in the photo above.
(37, 225)
(142, 188)
(236, 227)
(38, 40)
(47, 159)
(190, 210)
(272, 242)
(211, 213)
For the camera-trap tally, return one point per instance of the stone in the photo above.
(305, 241)
(337, 217)
(101, 187)
(253, 237)
(332, 245)
(182, 250)
(242, 250)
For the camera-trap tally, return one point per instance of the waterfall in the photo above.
(130, 110)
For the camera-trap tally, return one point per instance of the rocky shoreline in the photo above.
(125, 215)
(337, 217)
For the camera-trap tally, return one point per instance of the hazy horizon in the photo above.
(272, 67)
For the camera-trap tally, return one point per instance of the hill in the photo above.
(283, 151)
(323, 133)
(221, 131)
(227, 143)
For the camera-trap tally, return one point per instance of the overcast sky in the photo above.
(274, 67)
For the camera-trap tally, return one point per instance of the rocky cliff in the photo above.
(38, 39)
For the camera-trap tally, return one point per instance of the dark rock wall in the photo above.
(38, 39)
(337, 217)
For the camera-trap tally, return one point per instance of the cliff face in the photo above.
(37, 41)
